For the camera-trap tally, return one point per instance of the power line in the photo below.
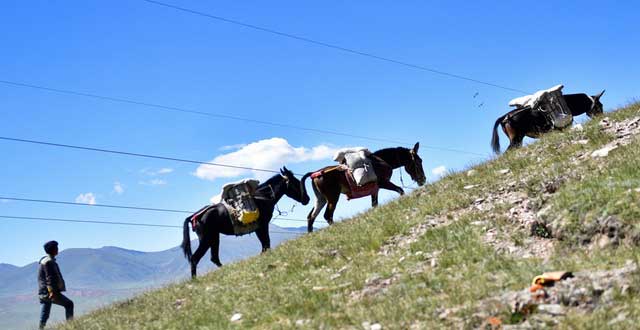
(332, 46)
(126, 153)
(46, 201)
(161, 107)
(93, 205)
(121, 223)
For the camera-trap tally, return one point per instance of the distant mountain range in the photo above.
(97, 276)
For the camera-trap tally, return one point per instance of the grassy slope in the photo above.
(299, 280)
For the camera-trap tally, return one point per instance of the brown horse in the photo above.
(332, 182)
(522, 122)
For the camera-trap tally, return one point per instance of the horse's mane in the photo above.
(271, 180)
(385, 150)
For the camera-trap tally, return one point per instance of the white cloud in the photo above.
(153, 182)
(439, 171)
(164, 170)
(88, 198)
(118, 188)
(268, 154)
(232, 147)
(150, 172)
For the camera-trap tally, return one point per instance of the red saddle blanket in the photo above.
(195, 218)
(354, 190)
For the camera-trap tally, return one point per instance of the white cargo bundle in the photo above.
(549, 101)
(339, 156)
(357, 160)
(533, 99)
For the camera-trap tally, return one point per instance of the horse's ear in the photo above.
(416, 147)
(282, 171)
(286, 170)
(597, 97)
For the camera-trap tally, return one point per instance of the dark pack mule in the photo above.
(332, 182)
(521, 122)
(216, 220)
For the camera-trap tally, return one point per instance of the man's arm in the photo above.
(51, 278)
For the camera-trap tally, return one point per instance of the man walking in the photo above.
(51, 285)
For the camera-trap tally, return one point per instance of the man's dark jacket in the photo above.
(49, 277)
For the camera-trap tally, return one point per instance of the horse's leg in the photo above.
(374, 199)
(386, 184)
(321, 201)
(332, 202)
(215, 248)
(202, 249)
(515, 137)
(515, 142)
(263, 236)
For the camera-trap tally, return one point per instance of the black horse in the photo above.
(332, 182)
(523, 122)
(216, 220)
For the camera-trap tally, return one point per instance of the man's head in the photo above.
(51, 248)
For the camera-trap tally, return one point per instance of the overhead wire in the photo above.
(330, 45)
(121, 223)
(161, 107)
(113, 206)
(135, 154)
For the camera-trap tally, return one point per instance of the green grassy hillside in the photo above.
(451, 254)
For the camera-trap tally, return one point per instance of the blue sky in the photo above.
(136, 50)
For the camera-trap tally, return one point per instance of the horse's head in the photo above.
(294, 188)
(596, 107)
(414, 166)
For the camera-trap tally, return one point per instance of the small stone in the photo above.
(179, 303)
(552, 309)
(582, 141)
(471, 186)
(620, 318)
(236, 317)
(603, 152)
(504, 171)
(577, 127)
(637, 190)
(302, 322)
(445, 314)
(434, 262)
(471, 172)
(376, 326)
(478, 201)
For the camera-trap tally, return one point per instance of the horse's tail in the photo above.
(303, 187)
(186, 240)
(495, 139)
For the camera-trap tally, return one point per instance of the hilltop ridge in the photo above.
(460, 253)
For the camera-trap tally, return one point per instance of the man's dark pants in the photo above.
(61, 300)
